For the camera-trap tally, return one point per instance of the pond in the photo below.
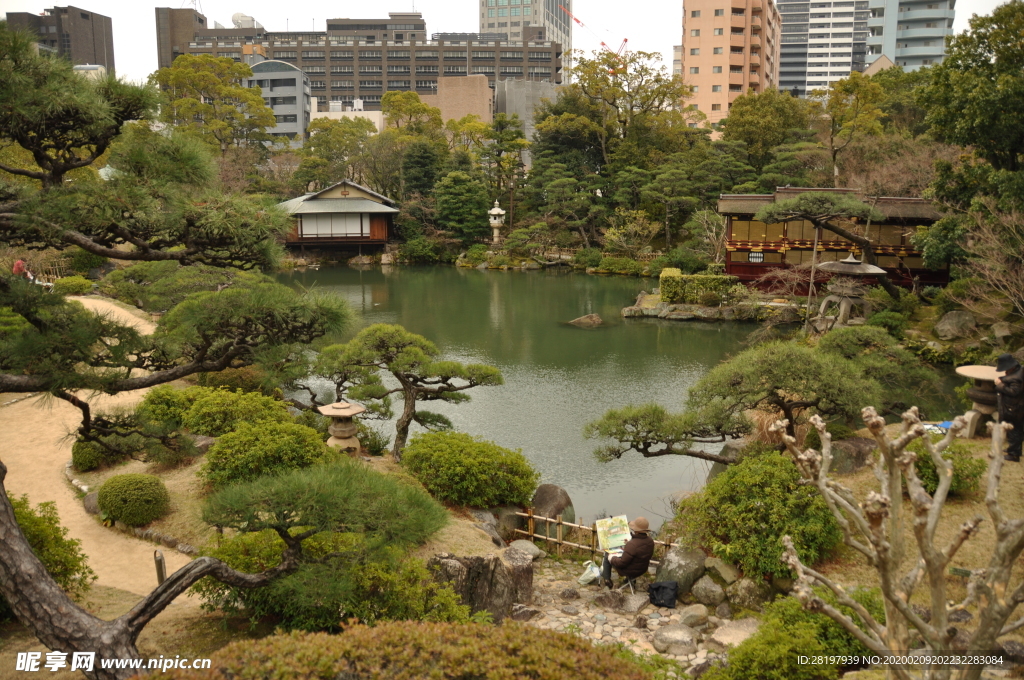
(557, 377)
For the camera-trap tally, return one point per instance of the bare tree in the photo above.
(709, 227)
(875, 527)
(996, 244)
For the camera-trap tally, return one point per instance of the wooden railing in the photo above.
(587, 534)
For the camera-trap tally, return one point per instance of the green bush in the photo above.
(655, 266)
(772, 654)
(465, 470)
(743, 513)
(967, 470)
(412, 651)
(949, 299)
(477, 254)
(587, 257)
(62, 556)
(687, 260)
(881, 301)
(373, 440)
(12, 323)
(929, 293)
(710, 298)
(678, 288)
(218, 412)
(620, 265)
(168, 405)
(893, 323)
(246, 379)
(82, 261)
(263, 448)
(158, 286)
(715, 268)
(837, 430)
(86, 456)
(134, 499)
(671, 282)
(787, 612)
(72, 285)
(499, 261)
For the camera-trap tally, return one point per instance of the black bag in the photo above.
(663, 593)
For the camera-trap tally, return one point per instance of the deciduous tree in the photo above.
(763, 121)
(845, 112)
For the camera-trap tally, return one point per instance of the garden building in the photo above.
(341, 215)
(754, 247)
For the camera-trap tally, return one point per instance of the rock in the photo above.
(782, 585)
(1002, 332)
(569, 594)
(520, 612)
(693, 615)
(734, 448)
(935, 346)
(202, 443)
(588, 321)
(956, 324)
(707, 592)
(551, 500)
(1013, 651)
(731, 634)
(387, 258)
(641, 622)
(610, 599)
(631, 604)
(361, 259)
(961, 642)
(850, 455)
(529, 548)
(168, 541)
(91, 503)
(492, 533)
(570, 610)
(721, 571)
(677, 639)
(697, 670)
(508, 521)
(684, 566)
(748, 594)
(959, 616)
(924, 612)
(491, 582)
(723, 611)
(483, 516)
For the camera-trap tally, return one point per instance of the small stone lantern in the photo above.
(342, 428)
(497, 217)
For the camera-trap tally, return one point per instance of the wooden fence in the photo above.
(588, 534)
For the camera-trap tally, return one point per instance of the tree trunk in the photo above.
(668, 231)
(404, 420)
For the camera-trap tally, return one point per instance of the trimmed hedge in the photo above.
(134, 499)
(86, 456)
(264, 448)
(412, 651)
(465, 470)
(218, 412)
(690, 289)
(620, 265)
(72, 285)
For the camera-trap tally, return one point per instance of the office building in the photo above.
(77, 34)
(911, 33)
(822, 42)
(285, 90)
(677, 60)
(364, 58)
(729, 49)
(515, 16)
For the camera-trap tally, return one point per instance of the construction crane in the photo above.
(618, 53)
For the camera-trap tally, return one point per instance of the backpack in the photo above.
(663, 593)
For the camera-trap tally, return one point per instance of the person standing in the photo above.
(636, 554)
(1010, 387)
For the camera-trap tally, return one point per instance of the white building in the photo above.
(286, 90)
(911, 33)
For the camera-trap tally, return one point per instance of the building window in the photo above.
(721, 31)
(397, 84)
(540, 70)
(735, 88)
(313, 55)
(490, 3)
(694, 32)
(511, 55)
(373, 70)
(455, 70)
(398, 69)
(696, 89)
(370, 54)
(502, 12)
(341, 54)
(716, 88)
(716, 69)
(540, 56)
(483, 69)
(716, 107)
(694, 51)
(755, 257)
(398, 54)
(342, 84)
(719, 12)
(515, 11)
(694, 70)
(926, 62)
(339, 70)
(512, 70)
(484, 55)
(718, 50)
(455, 55)
(318, 84)
(371, 84)
(491, 14)
(426, 54)
(285, 55)
(314, 69)
(526, 11)
(291, 118)
(735, 69)
(426, 84)
(426, 69)
(694, 14)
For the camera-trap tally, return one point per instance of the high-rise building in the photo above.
(80, 35)
(513, 16)
(911, 33)
(286, 90)
(822, 42)
(677, 60)
(729, 48)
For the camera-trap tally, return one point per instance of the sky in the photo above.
(650, 25)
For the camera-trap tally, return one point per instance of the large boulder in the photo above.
(610, 599)
(956, 324)
(491, 582)
(91, 503)
(631, 604)
(749, 594)
(693, 615)
(731, 634)
(507, 521)
(721, 571)
(588, 321)
(850, 455)
(550, 500)
(529, 548)
(677, 640)
(707, 592)
(684, 566)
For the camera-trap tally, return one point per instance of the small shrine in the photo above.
(342, 428)
(845, 304)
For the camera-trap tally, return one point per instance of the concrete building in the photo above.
(80, 35)
(461, 97)
(336, 111)
(911, 33)
(677, 60)
(728, 50)
(286, 90)
(91, 71)
(822, 42)
(515, 17)
(522, 98)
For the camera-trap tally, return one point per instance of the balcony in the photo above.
(925, 14)
(738, 40)
(738, 20)
(755, 40)
(755, 59)
(933, 51)
(737, 59)
(753, 78)
(755, 23)
(736, 78)
(755, 5)
(933, 33)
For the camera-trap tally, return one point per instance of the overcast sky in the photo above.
(650, 25)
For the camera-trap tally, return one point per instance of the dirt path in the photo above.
(37, 446)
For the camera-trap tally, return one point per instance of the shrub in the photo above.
(373, 440)
(786, 612)
(837, 430)
(158, 286)
(743, 513)
(168, 405)
(262, 448)
(620, 265)
(218, 412)
(691, 288)
(246, 379)
(587, 257)
(710, 298)
(62, 556)
(86, 456)
(72, 285)
(12, 323)
(772, 654)
(671, 282)
(422, 650)
(929, 293)
(134, 499)
(655, 266)
(687, 260)
(715, 268)
(477, 254)
(893, 323)
(906, 305)
(499, 261)
(82, 261)
(465, 470)
(950, 298)
(967, 470)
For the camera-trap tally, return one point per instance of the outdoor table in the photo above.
(983, 395)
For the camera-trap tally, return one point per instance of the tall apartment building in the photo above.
(285, 89)
(677, 60)
(730, 47)
(822, 42)
(512, 16)
(911, 33)
(364, 58)
(80, 35)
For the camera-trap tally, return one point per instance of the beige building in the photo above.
(728, 49)
(460, 97)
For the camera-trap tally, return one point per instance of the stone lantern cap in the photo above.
(496, 212)
(851, 266)
(341, 409)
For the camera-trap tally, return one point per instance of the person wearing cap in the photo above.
(636, 554)
(1010, 387)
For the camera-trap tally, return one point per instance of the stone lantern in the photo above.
(497, 218)
(342, 428)
(846, 292)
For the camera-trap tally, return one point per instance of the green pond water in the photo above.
(557, 377)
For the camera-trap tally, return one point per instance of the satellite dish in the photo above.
(236, 19)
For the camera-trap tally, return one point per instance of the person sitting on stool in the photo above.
(1011, 403)
(636, 554)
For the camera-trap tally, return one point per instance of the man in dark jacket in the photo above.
(636, 554)
(1010, 387)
